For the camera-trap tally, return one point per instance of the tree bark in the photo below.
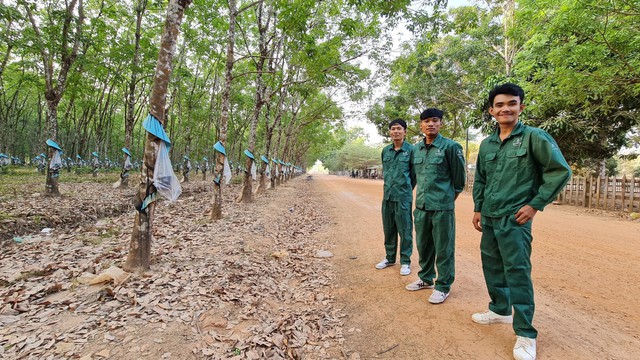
(247, 191)
(131, 95)
(51, 185)
(216, 202)
(54, 89)
(139, 256)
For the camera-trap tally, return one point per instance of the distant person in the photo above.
(440, 173)
(397, 198)
(519, 171)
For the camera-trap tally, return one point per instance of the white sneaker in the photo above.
(489, 317)
(383, 264)
(438, 297)
(405, 269)
(525, 348)
(418, 285)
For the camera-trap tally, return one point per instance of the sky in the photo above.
(355, 112)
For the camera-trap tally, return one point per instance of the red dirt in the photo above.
(585, 273)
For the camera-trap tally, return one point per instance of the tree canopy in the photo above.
(297, 53)
(81, 71)
(577, 61)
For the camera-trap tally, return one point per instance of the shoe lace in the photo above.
(523, 342)
(489, 314)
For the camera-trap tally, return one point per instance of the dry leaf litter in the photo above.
(249, 286)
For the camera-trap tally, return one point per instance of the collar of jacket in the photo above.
(405, 146)
(516, 131)
(437, 142)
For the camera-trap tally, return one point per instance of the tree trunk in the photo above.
(186, 169)
(216, 202)
(262, 183)
(276, 128)
(131, 96)
(52, 124)
(509, 44)
(246, 196)
(278, 179)
(139, 256)
(124, 175)
(68, 46)
(247, 190)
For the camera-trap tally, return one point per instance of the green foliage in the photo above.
(451, 71)
(581, 68)
(352, 152)
(611, 167)
(357, 155)
(577, 61)
(311, 60)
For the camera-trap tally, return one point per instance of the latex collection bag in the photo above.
(127, 163)
(226, 171)
(56, 161)
(253, 170)
(164, 179)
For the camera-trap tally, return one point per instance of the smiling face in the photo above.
(506, 109)
(430, 127)
(397, 132)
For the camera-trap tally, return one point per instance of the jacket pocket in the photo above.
(516, 158)
(436, 160)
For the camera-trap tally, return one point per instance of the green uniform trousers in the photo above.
(506, 262)
(435, 240)
(396, 219)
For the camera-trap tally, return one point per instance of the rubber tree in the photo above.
(264, 52)
(139, 256)
(276, 63)
(139, 8)
(216, 201)
(59, 55)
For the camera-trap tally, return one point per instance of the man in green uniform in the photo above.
(439, 167)
(397, 198)
(519, 171)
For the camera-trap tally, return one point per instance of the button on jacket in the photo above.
(396, 167)
(441, 169)
(526, 168)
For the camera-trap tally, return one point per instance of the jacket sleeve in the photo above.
(555, 172)
(457, 167)
(479, 182)
(412, 169)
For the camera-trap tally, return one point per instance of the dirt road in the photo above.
(586, 273)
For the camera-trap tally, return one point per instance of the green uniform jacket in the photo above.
(440, 173)
(527, 168)
(396, 167)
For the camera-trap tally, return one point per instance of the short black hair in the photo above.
(507, 89)
(431, 112)
(399, 122)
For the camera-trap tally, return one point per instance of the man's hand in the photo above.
(476, 221)
(526, 213)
